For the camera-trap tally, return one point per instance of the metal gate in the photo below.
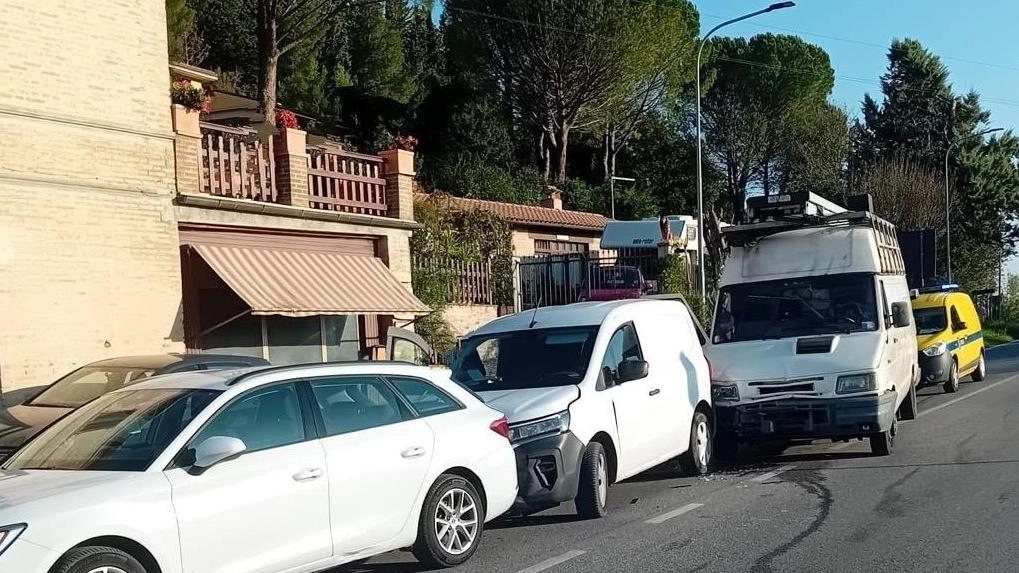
(553, 280)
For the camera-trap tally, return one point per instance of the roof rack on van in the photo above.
(777, 213)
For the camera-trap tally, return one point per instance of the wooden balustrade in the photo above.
(236, 163)
(340, 180)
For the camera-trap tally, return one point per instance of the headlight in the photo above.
(8, 534)
(724, 393)
(936, 350)
(855, 383)
(555, 424)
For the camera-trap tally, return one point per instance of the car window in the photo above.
(264, 418)
(122, 431)
(356, 403)
(521, 359)
(956, 321)
(622, 346)
(88, 383)
(425, 398)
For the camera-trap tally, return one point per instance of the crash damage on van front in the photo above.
(813, 335)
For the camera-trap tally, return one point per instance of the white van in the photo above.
(595, 393)
(813, 336)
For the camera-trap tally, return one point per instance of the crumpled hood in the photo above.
(18, 487)
(19, 423)
(777, 359)
(532, 403)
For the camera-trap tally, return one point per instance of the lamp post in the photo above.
(948, 224)
(612, 191)
(700, 181)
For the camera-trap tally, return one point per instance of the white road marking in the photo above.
(674, 513)
(769, 475)
(970, 395)
(552, 562)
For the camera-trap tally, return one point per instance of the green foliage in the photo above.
(376, 64)
(180, 23)
(676, 278)
(752, 112)
(448, 235)
(997, 334)
(229, 28)
(467, 176)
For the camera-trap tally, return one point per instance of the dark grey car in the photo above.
(21, 422)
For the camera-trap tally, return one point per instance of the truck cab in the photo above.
(813, 335)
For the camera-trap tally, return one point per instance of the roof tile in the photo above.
(530, 214)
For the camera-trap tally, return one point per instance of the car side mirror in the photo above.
(216, 449)
(649, 286)
(631, 370)
(960, 326)
(901, 314)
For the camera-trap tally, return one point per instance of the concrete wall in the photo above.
(89, 266)
(465, 318)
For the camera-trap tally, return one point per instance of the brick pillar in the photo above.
(398, 168)
(290, 148)
(187, 149)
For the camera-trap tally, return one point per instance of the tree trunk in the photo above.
(605, 156)
(269, 89)
(766, 177)
(562, 140)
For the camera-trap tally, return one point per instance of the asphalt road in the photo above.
(947, 499)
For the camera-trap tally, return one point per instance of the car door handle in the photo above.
(308, 474)
(654, 392)
(411, 453)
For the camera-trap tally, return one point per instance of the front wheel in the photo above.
(881, 444)
(594, 483)
(698, 457)
(908, 409)
(952, 384)
(981, 371)
(98, 559)
(451, 523)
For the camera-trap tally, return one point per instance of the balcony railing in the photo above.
(340, 180)
(235, 163)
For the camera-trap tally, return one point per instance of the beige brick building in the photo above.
(88, 239)
(129, 226)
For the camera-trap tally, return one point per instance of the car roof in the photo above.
(937, 299)
(254, 376)
(577, 314)
(157, 361)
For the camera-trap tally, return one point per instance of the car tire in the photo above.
(97, 558)
(908, 410)
(443, 538)
(981, 371)
(952, 384)
(725, 446)
(592, 493)
(697, 458)
(881, 444)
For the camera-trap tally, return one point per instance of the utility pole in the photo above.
(700, 177)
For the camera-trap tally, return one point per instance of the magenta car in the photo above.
(617, 283)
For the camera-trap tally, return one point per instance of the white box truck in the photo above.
(812, 336)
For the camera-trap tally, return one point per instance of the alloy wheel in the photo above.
(456, 521)
(702, 443)
(107, 569)
(603, 480)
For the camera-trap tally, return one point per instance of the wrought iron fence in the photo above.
(552, 280)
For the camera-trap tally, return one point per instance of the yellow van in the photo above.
(949, 338)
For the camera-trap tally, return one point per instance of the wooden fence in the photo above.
(235, 163)
(473, 282)
(340, 180)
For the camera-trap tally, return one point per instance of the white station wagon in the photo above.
(292, 469)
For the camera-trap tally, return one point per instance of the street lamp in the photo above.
(612, 191)
(700, 183)
(948, 226)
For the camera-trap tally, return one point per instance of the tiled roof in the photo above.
(530, 214)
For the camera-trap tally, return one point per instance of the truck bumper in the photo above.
(934, 369)
(548, 472)
(808, 419)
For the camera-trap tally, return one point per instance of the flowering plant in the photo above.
(404, 142)
(286, 118)
(187, 94)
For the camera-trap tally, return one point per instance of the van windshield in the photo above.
(525, 359)
(828, 304)
(930, 320)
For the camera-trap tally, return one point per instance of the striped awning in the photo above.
(309, 283)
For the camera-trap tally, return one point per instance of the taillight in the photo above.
(501, 427)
